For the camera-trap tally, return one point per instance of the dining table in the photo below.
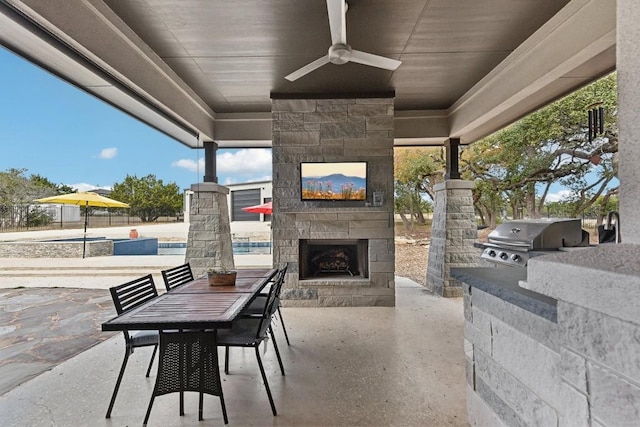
(189, 316)
(195, 305)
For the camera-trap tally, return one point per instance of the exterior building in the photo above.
(240, 196)
(248, 194)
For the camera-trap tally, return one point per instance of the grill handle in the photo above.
(514, 245)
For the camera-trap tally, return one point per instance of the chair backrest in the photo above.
(134, 293)
(279, 280)
(176, 276)
(271, 305)
(267, 313)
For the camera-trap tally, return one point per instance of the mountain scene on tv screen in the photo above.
(334, 187)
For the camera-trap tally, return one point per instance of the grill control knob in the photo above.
(516, 257)
(491, 253)
(504, 256)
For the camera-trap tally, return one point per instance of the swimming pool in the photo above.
(239, 248)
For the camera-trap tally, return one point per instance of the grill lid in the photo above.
(538, 234)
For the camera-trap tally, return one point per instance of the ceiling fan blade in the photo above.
(374, 60)
(308, 68)
(337, 11)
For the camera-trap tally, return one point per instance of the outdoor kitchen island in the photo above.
(555, 343)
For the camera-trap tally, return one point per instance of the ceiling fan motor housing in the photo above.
(339, 53)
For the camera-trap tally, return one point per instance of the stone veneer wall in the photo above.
(334, 130)
(563, 352)
(453, 234)
(55, 249)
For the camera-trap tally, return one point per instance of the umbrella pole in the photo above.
(84, 240)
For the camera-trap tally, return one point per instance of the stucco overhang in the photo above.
(91, 46)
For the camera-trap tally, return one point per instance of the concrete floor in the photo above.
(345, 366)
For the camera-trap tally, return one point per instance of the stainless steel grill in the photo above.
(513, 243)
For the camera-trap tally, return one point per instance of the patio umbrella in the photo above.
(86, 199)
(264, 208)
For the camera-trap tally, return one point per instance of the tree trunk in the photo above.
(492, 220)
(405, 221)
(489, 215)
(532, 212)
(514, 210)
(482, 219)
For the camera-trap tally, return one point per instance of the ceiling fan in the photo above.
(340, 52)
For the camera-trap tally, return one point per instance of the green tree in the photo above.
(17, 195)
(148, 197)
(416, 171)
(47, 186)
(550, 146)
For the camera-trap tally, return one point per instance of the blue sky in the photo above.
(53, 129)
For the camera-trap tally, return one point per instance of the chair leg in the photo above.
(182, 359)
(146, 417)
(275, 347)
(226, 360)
(224, 409)
(155, 389)
(284, 329)
(266, 383)
(119, 380)
(153, 355)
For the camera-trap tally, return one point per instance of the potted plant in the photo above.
(221, 276)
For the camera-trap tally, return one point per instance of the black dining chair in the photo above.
(176, 276)
(250, 331)
(127, 297)
(256, 307)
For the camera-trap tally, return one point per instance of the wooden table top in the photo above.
(194, 305)
(257, 272)
(202, 286)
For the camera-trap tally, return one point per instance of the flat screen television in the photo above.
(333, 181)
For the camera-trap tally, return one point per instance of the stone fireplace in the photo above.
(339, 253)
(324, 258)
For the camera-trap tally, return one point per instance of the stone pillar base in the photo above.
(453, 233)
(209, 240)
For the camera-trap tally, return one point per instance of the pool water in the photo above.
(239, 248)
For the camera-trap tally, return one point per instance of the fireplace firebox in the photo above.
(333, 258)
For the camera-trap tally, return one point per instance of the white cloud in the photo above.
(245, 162)
(189, 165)
(108, 153)
(559, 196)
(83, 186)
(230, 180)
(240, 166)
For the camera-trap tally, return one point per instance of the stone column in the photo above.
(453, 233)
(628, 65)
(209, 239)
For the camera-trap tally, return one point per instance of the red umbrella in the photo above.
(264, 208)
